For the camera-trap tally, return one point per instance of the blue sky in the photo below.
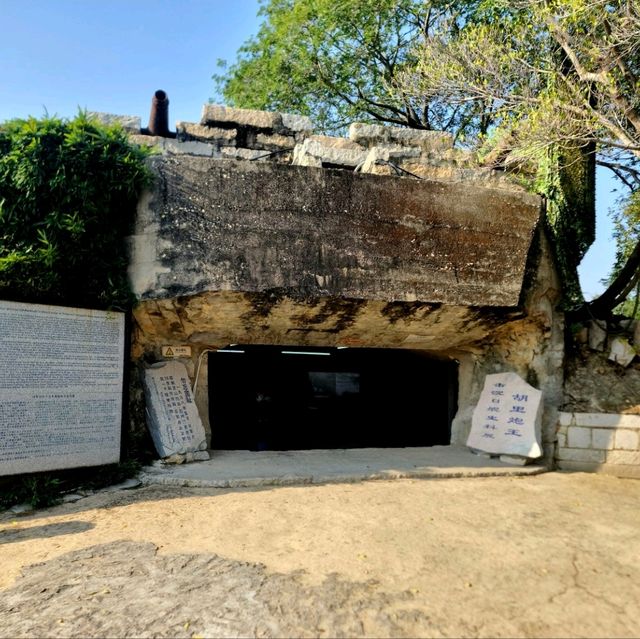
(111, 56)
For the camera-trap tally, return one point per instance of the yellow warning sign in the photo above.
(172, 352)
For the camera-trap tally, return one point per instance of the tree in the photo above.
(68, 195)
(561, 81)
(338, 62)
(548, 84)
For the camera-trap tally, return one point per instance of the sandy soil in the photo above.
(551, 555)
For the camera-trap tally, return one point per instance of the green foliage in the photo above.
(559, 81)
(626, 228)
(47, 489)
(39, 491)
(626, 224)
(68, 193)
(566, 178)
(339, 62)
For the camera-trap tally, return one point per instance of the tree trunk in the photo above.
(618, 290)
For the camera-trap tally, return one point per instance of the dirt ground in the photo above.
(554, 555)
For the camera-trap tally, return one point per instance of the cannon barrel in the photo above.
(159, 116)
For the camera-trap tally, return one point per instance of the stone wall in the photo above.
(601, 442)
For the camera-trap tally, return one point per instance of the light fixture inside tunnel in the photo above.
(303, 353)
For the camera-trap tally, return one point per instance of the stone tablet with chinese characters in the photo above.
(172, 415)
(508, 417)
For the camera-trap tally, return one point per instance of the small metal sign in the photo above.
(171, 352)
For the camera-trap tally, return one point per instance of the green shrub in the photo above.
(68, 193)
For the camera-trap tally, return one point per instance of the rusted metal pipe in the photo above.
(159, 116)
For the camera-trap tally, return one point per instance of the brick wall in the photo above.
(599, 442)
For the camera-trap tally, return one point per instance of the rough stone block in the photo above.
(566, 419)
(360, 246)
(562, 439)
(318, 150)
(627, 440)
(597, 335)
(170, 146)
(621, 352)
(274, 141)
(190, 131)
(146, 140)
(175, 147)
(201, 455)
(232, 153)
(300, 158)
(213, 114)
(375, 135)
(128, 122)
(578, 437)
(297, 123)
(581, 455)
(380, 155)
(630, 457)
(602, 438)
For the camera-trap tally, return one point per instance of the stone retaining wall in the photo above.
(600, 442)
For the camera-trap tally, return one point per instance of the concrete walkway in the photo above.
(241, 468)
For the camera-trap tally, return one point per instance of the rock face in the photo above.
(391, 238)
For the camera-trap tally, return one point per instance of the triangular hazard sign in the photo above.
(169, 353)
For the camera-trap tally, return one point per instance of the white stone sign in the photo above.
(61, 375)
(172, 415)
(508, 417)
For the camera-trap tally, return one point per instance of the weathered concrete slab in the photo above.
(281, 468)
(216, 225)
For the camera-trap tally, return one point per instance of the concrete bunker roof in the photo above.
(252, 201)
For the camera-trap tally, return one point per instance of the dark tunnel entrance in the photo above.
(291, 398)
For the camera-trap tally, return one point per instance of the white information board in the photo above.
(61, 376)
(508, 417)
(172, 415)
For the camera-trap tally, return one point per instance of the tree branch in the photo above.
(618, 290)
